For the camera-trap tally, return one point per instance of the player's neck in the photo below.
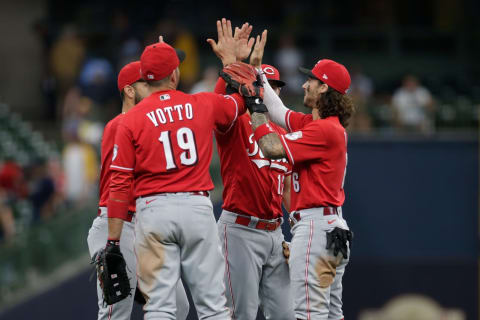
(127, 105)
(168, 87)
(315, 114)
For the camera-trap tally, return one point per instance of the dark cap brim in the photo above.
(307, 72)
(278, 83)
(181, 55)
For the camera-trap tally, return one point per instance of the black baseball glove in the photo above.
(112, 273)
(337, 238)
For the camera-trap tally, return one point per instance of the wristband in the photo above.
(263, 130)
(113, 242)
(117, 209)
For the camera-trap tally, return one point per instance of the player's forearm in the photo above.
(119, 194)
(220, 86)
(115, 226)
(275, 106)
(270, 144)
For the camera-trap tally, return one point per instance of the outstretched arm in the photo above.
(274, 104)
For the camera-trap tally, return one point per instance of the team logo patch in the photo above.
(294, 135)
(325, 76)
(164, 97)
(115, 152)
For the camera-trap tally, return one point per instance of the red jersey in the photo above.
(165, 142)
(252, 184)
(108, 140)
(318, 152)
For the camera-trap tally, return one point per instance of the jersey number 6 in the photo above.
(186, 142)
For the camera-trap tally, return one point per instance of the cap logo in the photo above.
(325, 76)
(269, 70)
(150, 76)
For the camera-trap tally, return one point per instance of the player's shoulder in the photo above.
(206, 96)
(113, 123)
(177, 96)
(295, 118)
(321, 127)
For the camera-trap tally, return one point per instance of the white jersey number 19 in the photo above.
(186, 142)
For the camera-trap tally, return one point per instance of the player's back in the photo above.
(108, 152)
(172, 135)
(252, 184)
(108, 139)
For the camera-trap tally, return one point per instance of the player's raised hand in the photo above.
(224, 48)
(243, 43)
(160, 39)
(258, 49)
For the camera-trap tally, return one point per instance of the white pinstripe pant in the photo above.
(315, 273)
(256, 272)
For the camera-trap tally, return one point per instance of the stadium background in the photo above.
(412, 188)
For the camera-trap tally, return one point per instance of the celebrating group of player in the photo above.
(155, 213)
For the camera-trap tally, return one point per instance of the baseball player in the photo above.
(317, 148)
(256, 273)
(132, 90)
(164, 144)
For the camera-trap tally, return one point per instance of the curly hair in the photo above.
(333, 103)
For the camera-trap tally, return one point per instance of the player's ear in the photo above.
(129, 91)
(175, 77)
(323, 88)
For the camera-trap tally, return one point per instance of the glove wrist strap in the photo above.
(113, 242)
(263, 130)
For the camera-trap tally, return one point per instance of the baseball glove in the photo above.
(243, 78)
(112, 273)
(337, 239)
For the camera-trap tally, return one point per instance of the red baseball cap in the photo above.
(128, 75)
(272, 75)
(158, 60)
(330, 72)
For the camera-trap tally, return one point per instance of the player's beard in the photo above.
(138, 98)
(310, 101)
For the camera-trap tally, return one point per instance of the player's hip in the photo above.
(173, 200)
(98, 234)
(325, 218)
(250, 223)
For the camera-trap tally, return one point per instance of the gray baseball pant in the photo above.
(176, 237)
(97, 238)
(315, 273)
(256, 272)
